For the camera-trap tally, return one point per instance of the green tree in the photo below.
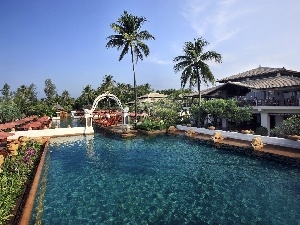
(130, 38)
(50, 90)
(32, 93)
(66, 100)
(166, 110)
(42, 108)
(221, 108)
(289, 126)
(144, 89)
(235, 113)
(193, 66)
(108, 84)
(124, 92)
(5, 91)
(25, 98)
(88, 96)
(9, 111)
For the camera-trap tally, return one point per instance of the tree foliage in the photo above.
(193, 66)
(290, 126)
(221, 108)
(130, 38)
(50, 90)
(9, 111)
(165, 110)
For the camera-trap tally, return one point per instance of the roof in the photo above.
(58, 107)
(282, 82)
(153, 95)
(259, 73)
(204, 92)
(272, 83)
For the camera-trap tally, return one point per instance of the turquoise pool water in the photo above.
(162, 180)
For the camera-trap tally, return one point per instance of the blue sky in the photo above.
(65, 40)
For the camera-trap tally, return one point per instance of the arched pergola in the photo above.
(88, 113)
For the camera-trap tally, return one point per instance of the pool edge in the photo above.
(26, 213)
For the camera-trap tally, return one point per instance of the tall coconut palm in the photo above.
(193, 66)
(130, 38)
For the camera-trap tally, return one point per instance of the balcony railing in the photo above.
(270, 102)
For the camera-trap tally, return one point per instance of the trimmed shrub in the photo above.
(290, 126)
(263, 131)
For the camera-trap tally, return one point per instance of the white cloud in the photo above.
(216, 20)
(158, 61)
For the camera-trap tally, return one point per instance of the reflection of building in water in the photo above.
(55, 123)
(70, 139)
(90, 146)
(75, 122)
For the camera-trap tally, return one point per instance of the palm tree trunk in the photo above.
(134, 87)
(199, 100)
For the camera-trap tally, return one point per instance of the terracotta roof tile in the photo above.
(273, 82)
(258, 73)
(262, 84)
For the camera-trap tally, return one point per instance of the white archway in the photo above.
(88, 113)
(105, 96)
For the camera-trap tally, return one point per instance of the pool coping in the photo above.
(27, 210)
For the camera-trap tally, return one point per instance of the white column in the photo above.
(125, 119)
(265, 121)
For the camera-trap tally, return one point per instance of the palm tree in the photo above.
(108, 84)
(193, 66)
(88, 94)
(130, 38)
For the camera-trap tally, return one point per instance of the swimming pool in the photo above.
(162, 180)
(64, 122)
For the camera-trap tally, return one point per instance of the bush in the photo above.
(17, 171)
(290, 126)
(263, 131)
(150, 125)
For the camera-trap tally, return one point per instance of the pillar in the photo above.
(125, 119)
(265, 121)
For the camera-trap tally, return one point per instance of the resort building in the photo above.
(273, 93)
(151, 97)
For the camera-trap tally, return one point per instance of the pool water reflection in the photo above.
(162, 180)
(64, 122)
